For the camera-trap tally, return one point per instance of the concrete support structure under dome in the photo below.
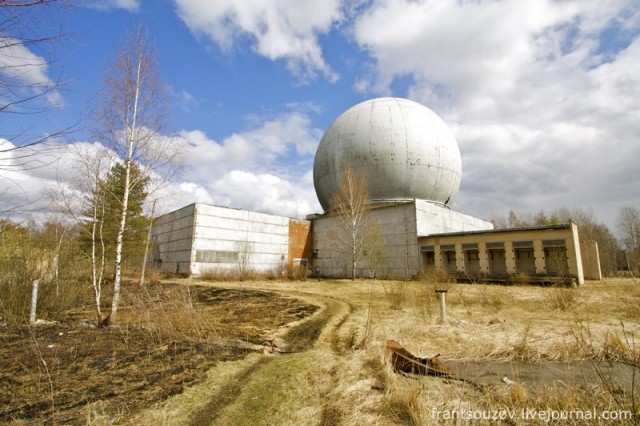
(394, 253)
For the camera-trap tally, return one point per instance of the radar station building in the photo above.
(412, 167)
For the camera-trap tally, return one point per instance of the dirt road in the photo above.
(287, 379)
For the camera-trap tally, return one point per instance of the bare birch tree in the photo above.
(131, 117)
(351, 209)
(245, 250)
(84, 200)
(628, 224)
(95, 168)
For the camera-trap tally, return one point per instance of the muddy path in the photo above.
(227, 395)
(242, 397)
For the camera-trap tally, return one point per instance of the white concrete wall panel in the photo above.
(172, 240)
(179, 234)
(399, 245)
(400, 225)
(175, 215)
(264, 237)
(437, 219)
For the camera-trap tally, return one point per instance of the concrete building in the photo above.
(412, 166)
(199, 237)
(542, 253)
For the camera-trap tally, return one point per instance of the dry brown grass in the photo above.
(536, 325)
(154, 276)
(397, 293)
(520, 279)
(220, 274)
(562, 297)
(166, 339)
(169, 315)
(338, 382)
(278, 273)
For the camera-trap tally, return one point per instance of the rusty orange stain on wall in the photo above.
(299, 241)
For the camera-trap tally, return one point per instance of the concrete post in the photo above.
(443, 305)
(459, 258)
(538, 255)
(484, 258)
(575, 256)
(509, 258)
(34, 301)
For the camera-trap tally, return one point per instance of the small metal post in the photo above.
(443, 305)
(34, 301)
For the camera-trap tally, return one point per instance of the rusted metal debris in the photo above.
(404, 361)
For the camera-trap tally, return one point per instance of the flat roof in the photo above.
(502, 230)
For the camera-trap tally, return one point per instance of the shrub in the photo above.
(396, 292)
(61, 271)
(219, 274)
(520, 278)
(561, 298)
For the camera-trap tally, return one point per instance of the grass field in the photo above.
(251, 353)
(529, 354)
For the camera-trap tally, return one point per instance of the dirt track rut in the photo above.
(323, 332)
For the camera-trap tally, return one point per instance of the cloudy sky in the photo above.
(542, 96)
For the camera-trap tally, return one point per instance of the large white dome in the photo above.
(402, 148)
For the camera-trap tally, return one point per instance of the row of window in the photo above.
(495, 245)
(555, 260)
(216, 256)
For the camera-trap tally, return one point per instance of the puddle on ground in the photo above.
(537, 376)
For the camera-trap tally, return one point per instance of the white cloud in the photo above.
(25, 74)
(265, 193)
(543, 96)
(544, 106)
(288, 135)
(244, 189)
(285, 30)
(186, 101)
(455, 48)
(176, 195)
(25, 177)
(130, 5)
(257, 169)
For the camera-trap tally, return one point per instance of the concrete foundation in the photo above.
(393, 250)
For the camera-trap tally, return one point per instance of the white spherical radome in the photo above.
(402, 149)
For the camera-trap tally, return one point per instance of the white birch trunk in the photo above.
(56, 262)
(94, 269)
(146, 247)
(130, 135)
(117, 276)
(103, 260)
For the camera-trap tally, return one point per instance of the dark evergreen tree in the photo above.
(111, 195)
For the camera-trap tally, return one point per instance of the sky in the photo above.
(543, 97)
